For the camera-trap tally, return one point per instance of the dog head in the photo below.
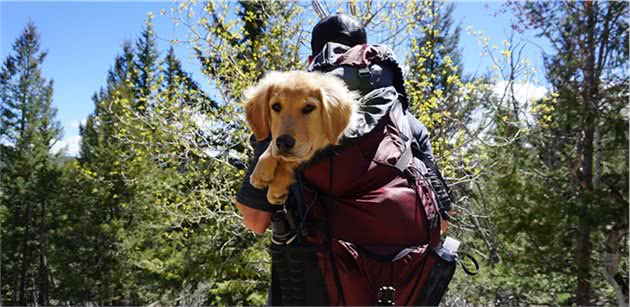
(303, 111)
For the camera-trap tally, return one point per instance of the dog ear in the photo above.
(337, 108)
(257, 105)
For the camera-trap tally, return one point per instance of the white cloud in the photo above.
(523, 92)
(75, 124)
(69, 145)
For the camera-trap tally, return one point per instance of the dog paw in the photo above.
(261, 177)
(277, 196)
(258, 182)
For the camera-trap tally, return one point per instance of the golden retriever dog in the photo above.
(304, 112)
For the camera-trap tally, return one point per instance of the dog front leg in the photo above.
(278, 191)
(264, 171)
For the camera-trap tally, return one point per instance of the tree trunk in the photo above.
(587, 131)
(43, 261)
(21, 293)
(612, 258)
(583, 255)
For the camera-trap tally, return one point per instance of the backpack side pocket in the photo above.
(442, 266)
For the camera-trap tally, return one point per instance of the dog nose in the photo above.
(285, 142)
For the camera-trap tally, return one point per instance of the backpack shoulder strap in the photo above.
(443, 194)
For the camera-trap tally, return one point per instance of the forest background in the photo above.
(530, 127)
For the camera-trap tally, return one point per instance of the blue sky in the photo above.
(83, 38)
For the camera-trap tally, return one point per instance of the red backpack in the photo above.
(365, 229)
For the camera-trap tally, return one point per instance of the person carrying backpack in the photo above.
(363, 223)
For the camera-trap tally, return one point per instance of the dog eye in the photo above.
(308, 109)
(276, 107)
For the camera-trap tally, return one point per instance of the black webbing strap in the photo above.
(431, 165)
(329, 235)
(468, 270)
(426, 160)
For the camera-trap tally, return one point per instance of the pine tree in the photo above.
(124, 70)
(133, 169)
(572, 181)
(146, 66)
(174, 76)
(103, 157)
(29, 170)
(440, 39)
(177, 82)
(264, 41)
(586, 71)
(440, 97)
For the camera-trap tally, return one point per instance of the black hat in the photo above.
(338, 28)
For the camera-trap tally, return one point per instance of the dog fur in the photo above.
(311, 108)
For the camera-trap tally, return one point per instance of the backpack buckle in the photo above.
(385, 296)
(365, 76)
(364, 72)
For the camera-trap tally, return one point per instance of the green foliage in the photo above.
(29, 173)
(162, 193)
(552, 211)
